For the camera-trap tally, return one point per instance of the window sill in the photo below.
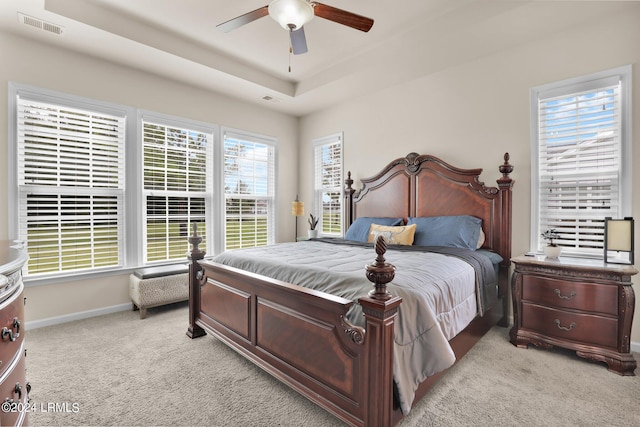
(87, 276)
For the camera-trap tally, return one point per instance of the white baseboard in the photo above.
(635, 347)
(34, 324)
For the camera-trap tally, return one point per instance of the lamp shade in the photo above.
(291, 14)
(618, 237)
(297, 208)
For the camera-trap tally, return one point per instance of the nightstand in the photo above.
(579, 304)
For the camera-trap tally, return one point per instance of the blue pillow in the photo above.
(460, 231)
(359, 229)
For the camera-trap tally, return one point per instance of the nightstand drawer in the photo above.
(586, 328)
(575, 295)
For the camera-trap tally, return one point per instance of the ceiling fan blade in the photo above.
(343, 17)
(298, 41)
(241, 20)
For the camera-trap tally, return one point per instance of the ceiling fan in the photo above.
(292, 15)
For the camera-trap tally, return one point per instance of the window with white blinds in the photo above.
(70, 183)
(176, 187)
(102, 187)
(579, 176)
(328, 184)
(249, 187)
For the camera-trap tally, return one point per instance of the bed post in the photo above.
(194, 331)
(505, 184)
(380, 309)
(348, 202)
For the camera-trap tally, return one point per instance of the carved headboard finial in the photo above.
(349, 181)
(380, 272)
(506, 168)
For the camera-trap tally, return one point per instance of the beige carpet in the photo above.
(120, 370)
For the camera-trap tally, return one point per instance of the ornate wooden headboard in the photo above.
(424, 185)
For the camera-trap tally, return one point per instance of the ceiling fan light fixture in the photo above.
(291, 14)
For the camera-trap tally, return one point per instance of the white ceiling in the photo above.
(409, 39)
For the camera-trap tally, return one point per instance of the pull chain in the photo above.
(290, 51)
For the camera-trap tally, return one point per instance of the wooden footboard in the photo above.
(302, 336)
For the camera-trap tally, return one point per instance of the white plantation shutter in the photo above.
(579, 163)
(70, 186)
(249, 185)
(176, 183)
(328, 184)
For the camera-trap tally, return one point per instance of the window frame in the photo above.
(272, 213)
(569, 87)
(36, 94)
(209, 194)
(319, 191)
(132, 234)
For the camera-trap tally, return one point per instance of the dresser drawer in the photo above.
(11, 327)
(13, 390)
(585, 328)
(597, 298)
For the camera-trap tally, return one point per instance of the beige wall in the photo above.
(471, 114)
(27, 62)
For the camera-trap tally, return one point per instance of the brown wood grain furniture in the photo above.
(579, 304)
(13, 386)
(299, 335)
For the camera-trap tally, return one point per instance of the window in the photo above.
(580, 164)
(70, 184)
(249, 187)
(328, 184)
(176, 186)
(103, 187)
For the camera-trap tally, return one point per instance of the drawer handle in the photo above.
(557, 291)
(564, 328)
(8, 333)
(18, 390)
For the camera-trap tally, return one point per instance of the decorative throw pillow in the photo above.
(359, 230)
(461, 231)
(481, 239)
(399, 235)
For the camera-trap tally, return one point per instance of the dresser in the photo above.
(579, 304)
(14, 389)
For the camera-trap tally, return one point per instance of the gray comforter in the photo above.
(436, 285)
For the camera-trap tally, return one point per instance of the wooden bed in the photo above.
(302, 337)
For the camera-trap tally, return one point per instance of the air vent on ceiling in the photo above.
(40, 24)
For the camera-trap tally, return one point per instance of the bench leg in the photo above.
(143, 311)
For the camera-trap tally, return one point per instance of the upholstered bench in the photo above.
(155, 286)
